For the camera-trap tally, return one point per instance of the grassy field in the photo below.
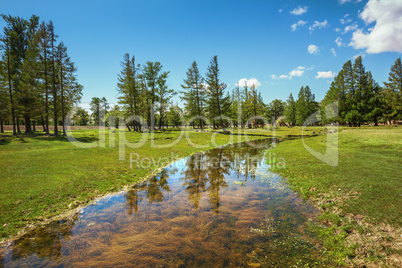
(360, 198)
(42, 177)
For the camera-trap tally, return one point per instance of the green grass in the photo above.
(42, 177)
(360, 198)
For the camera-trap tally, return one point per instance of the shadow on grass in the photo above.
(22, 138)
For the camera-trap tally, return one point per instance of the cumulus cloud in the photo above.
(338, 41)
(325, 75)
(249, 82)
(299, 11)
(386, 35)
(350, 28)
(318, 25)
(333, 52)
(313, 49)
(294, 73)
(299, 23)
(297, 72)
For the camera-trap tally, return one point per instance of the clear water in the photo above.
(214, 209)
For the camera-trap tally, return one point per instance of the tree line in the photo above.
(144, 95)
(37, 77)
(360, 99)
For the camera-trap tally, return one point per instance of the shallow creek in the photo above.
(219, 208)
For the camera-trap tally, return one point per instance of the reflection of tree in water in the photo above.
(134, 197)
(195, 178)
(207, 172)
(219, 164)
(1, 259)
(248, 163)
(46, 242)
(153, 189)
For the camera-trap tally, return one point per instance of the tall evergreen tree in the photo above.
(44, 45)
(129, 89)
(193, 94)
(164, 95)
(392, 93)
(217, 101)
(290, 110)
(277, 109)
(53, 37)
(151, 72)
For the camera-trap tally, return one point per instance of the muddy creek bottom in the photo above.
(213, 209)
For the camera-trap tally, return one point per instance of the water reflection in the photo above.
(218, 208)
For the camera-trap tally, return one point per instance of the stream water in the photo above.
(219, 208)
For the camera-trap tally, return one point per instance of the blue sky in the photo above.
(253, 39)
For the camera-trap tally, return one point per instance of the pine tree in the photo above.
(290, 110)
(44, 44)
(69, 89)
(164, 96)
(216, 99)
(53, 37)
(193, 95)
(277, 109)
(129, 90)
(152, 74)
(392, 93)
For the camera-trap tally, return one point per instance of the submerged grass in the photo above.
(44, 176)
(359, 198)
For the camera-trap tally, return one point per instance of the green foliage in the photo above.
(37, 74)
(305, 105)
(392, 93)
(218, 103)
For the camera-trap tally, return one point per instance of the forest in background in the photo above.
(38, 86)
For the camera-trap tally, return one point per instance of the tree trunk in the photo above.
(18, 125)
(43, 123)
(1, 126)
(27, 124)
(33, 125)
(160, 116)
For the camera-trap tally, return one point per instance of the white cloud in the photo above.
(350, 28)
(294, 73)
(318, 25)
(299, 11)
(333, 52)
(325, 75)
(347, 1)
(344, 21)
(338, 41)
(313, 49)
(297, 72)
(337, 30)
(299, 23)
(386, 36)
(280, 10)
(249, 82)
(361, 54)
